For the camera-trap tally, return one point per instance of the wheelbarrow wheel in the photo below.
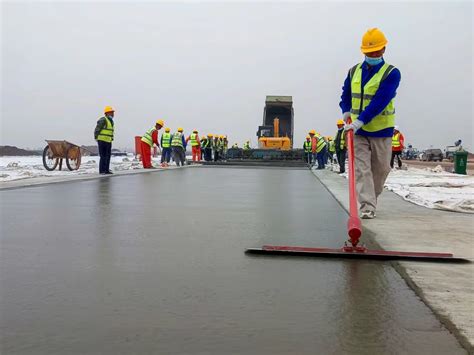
(49, 162)
(73, 158)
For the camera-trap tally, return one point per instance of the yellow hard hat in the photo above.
(160, 122)
(373, 40)
(340, 122)
(180, 129)
(209, 135)
(308, 137)
(108, 109)
(221, 136)
(167, 129)
(312, 131)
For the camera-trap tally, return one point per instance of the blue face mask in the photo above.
(373, 61)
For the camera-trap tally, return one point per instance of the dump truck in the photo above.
(275, 137)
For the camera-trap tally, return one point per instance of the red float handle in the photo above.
(354, 226)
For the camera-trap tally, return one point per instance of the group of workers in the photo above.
(173, 146)
(322, 149)
(367, 106)
(319, 149)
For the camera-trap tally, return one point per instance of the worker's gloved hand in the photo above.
(345, 116)
(354, 125)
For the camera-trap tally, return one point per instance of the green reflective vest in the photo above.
(361, 98)
(321, 143)
(246, 145)
(204, 142)
(147, 138)
(342, 145)
(307, 146)
(106, 134)
(396, 140)
(165, 140)
(332, 147)
(177, 140)
(194, 141)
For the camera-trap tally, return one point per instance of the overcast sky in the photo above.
(209, 66)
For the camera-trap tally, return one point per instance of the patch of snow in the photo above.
(432, 188)
(18, 168)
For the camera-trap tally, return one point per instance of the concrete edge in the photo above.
(26, 183)
(402, 271)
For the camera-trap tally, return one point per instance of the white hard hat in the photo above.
(396, 128)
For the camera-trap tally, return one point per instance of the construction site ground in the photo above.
(154, 262)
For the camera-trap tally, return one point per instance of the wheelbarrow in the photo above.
(56, 151)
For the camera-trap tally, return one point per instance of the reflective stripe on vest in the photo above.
(396, 140)
(177, 140)
(106, 134)
(332, 146)
(307, 146)
(362, 98)
(147, 137)
(194, 141)
(165, 140)
(321, 144)
(204, 143)
(342, 144)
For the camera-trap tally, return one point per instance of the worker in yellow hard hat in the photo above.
(216, 148)
(178, 147)
(314, 141)
(225, 147)
(148, 140)
(340, 146)
(368, 100)
(165, 142)
(207, 147)
(195, 145)
(104, 135)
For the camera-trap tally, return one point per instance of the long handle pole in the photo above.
(354, 226)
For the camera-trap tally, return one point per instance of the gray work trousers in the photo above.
(372, 165)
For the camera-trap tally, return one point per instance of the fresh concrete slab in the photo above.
(155, 264)
(447, 288)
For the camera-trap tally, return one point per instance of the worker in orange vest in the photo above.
(314, 144)
(397, 146)
(148, 140)
(195, 145)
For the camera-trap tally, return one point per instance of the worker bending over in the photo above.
(340, 145)
(104, 135)
(166, 147)
(178, 146)
(148, 140)
(398, 141)
(321, 151)
(195, 145)
(367, 98)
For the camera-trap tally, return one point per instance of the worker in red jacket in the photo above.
(397, 146)
(148, 139)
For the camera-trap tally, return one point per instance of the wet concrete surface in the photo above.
(155, 264)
